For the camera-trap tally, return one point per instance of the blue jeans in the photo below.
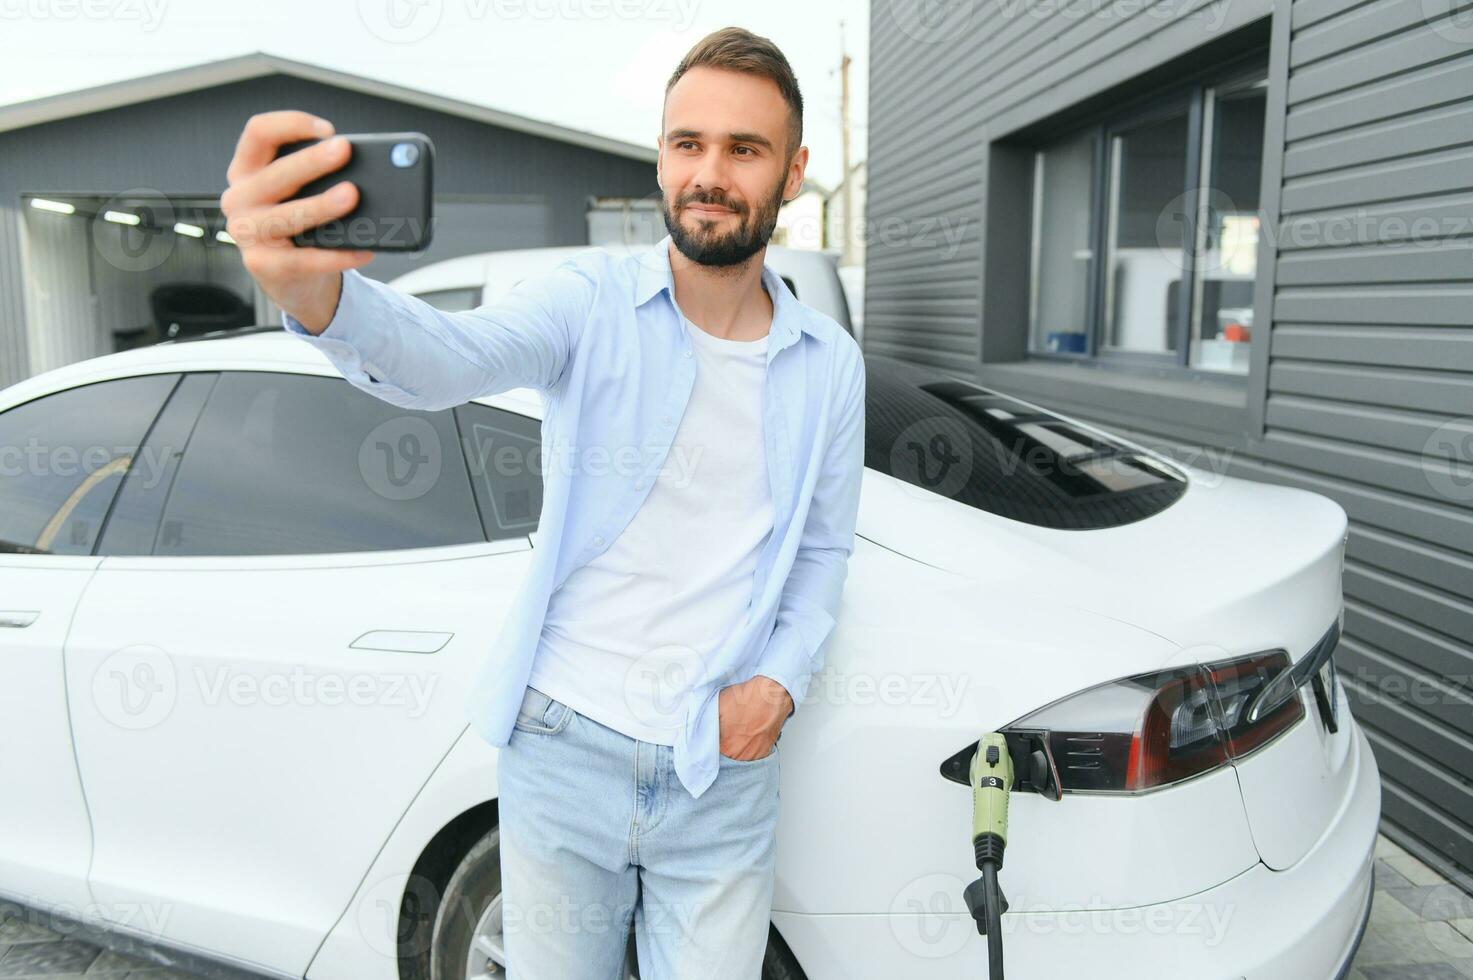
(596, 829)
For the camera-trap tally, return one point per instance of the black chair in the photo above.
(183, 309)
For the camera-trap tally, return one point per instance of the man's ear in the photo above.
(796, 166)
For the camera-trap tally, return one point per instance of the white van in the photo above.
(470, 281)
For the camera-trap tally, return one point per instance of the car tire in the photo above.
(471, 901)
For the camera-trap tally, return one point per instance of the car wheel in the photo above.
(468, 943)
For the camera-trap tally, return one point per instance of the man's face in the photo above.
(723, 166)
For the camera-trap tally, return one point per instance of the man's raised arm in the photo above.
(393, 346)
(406, 352)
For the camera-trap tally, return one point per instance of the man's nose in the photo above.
(713, 172)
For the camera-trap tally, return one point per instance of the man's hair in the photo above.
(735, 49)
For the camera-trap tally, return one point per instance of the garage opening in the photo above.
(109, 273)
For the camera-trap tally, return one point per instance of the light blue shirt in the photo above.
(603, 341)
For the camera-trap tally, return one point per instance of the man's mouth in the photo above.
(709, 209)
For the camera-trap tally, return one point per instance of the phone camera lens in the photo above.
(404, 154)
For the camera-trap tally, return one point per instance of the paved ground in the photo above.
(1421, 929)
(1421, 926)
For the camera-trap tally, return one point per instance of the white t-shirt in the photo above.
(625, 633)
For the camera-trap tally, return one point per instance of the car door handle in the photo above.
(17, 619)
(402, 641)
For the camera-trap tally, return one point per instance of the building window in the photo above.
(1145, 231)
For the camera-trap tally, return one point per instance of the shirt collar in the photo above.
(654, 275)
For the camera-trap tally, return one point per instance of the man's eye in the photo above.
(747, 148)
(684, 143)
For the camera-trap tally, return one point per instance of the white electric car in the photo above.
(240, 599)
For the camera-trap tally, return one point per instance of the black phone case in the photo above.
(395, 204)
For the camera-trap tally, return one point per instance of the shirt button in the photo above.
(639, 486)
(598, 539)
(664, 420)
(687, 353)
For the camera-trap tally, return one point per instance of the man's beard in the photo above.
(713, 247)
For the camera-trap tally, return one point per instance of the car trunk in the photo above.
(1231, 568)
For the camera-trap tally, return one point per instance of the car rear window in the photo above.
(990, 451)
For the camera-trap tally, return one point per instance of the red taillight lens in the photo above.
(1177, 737)
(1152, 730)
(1257, 698)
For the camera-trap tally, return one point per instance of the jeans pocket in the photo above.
(541, 714)
(726, 760)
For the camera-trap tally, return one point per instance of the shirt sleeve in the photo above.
(403, 350)
(809, 605)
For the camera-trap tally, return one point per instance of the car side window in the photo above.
(504, 455)
(292, 464)
(63, 457)
(452, 300)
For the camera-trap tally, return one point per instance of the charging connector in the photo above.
(991, 778)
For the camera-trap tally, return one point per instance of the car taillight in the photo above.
(1151, 730)
(1259, 698)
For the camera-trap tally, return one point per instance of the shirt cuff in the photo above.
(360, 333)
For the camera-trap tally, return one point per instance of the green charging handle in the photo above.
(991, 776)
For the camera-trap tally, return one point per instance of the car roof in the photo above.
(269, 347)
(256, 348)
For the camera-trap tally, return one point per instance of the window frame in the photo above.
(464, 427)
(19, 550)
(1197, 96)
(154, 555)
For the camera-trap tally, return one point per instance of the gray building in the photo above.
(75, 283)
(1241, 233)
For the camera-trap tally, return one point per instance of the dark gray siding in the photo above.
(1362, 389)
(181, 146)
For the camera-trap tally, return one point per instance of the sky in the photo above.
(595, 65)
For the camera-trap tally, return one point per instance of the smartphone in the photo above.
(394, 174)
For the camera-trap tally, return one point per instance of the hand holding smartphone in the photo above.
(295, 192)
(394, 174)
